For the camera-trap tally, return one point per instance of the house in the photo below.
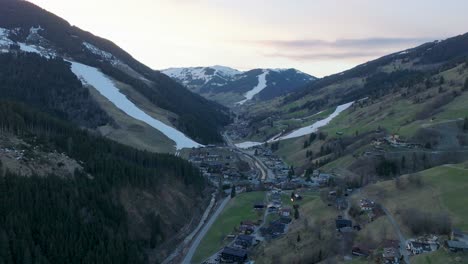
(343, 223)
(259, 206)
(366, 205)
(244, 241)
(324, 179)
(456, 246)
(246, 229)
(391, 255)
(230, 254)
(285, 212)
(458, 235)
(418, 247)
(360, 251)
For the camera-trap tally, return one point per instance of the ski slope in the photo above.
(107, 88)
(262, 84)
(315, 126)
(301, 131)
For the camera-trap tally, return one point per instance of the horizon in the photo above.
(245, 36)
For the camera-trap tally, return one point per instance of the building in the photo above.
(366, 205)
(456, 246)
(230, 254)
(391, 255)
(361, 251)
(417, 247)
(458, 235)
(259, 206)
(459, 241)
(343, 223)
(285, 212)
(244, 241)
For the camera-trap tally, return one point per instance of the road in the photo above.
(403, 250)
(265, 171)
(189, 238)
(199, 237)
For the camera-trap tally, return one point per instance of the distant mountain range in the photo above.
(233, 87)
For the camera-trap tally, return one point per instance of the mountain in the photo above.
(162, 105)
(230, 86)
(77, 118)
(417, 95)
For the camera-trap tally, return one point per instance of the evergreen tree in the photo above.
(233, 191)
(296, 213)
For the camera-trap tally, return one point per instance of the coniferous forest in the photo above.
(79, 219)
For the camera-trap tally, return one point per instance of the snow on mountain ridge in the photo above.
(94, 77)
(201, 74)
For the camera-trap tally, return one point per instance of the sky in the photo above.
(319, 37)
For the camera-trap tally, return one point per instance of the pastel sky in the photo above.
(320, 37)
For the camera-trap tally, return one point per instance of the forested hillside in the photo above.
(49, 85)
(81, 220)
(197, 117)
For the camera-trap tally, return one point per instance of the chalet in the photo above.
(459, 241)
(343, 223)
(274, 229)
(418, 247)
(366, 205)
(458, 235)
(247, 230)
(360, 251)
(244, 241)
(285, 212)
(273, 208)
(230, 254)
(391, 255)
(457, 246)
(324, 179)
(259, 206)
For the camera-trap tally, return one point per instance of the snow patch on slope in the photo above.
(96, 51)
(201, 75)
(301, 131)
(106, 87)
(5, 42)
(315, 126)
(262, 84)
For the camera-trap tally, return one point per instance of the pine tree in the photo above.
(233, 191)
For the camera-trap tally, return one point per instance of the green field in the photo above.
(440, 256)
(443, 190)
(306, 198)
(238, 209)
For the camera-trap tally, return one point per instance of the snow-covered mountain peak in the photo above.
(198, 76)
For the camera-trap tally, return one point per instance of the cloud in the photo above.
(314, 49)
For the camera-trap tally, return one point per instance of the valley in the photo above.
(104, 159)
